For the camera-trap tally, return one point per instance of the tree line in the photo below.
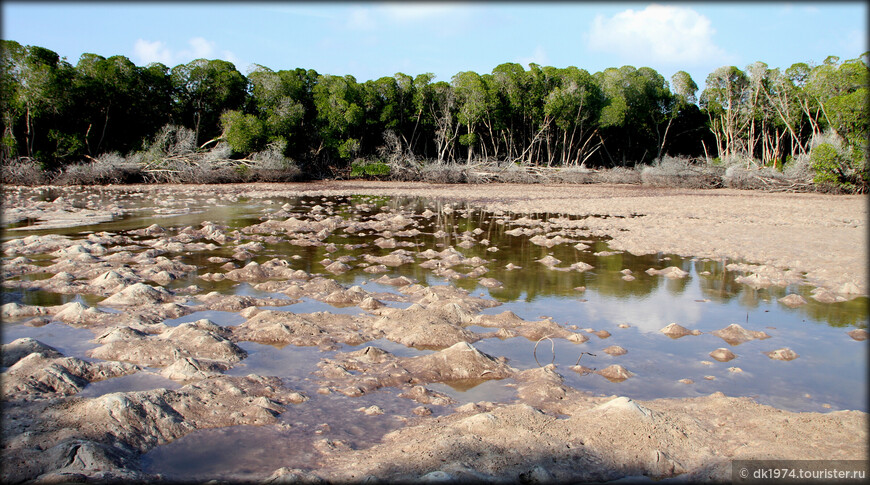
(58, 114)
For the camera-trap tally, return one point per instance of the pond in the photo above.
(537, 266)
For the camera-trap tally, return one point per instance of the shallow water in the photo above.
(830, 373)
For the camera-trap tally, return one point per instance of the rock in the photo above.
(782, 354)
(372, 410)
(625, 405)
(670, 272)
(549, 261)
(615, 350)
(292, 475)
(793, 300)
(826, 296)
(686, 381)
(722, 355)
(37, 375)
(858, 334)
(490, 283)
(338, 268)
(676, 331)
(138, 294)
(734, 334)
(190, 369)
(22, 347)
(615, 373)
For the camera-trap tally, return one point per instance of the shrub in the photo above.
(108, 168)
(681, 172)
(369, 169)
(244, 133)
(839, 167)
(22, 171)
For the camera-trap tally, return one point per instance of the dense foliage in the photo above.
(57, 114)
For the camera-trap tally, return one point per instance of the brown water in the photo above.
(830, 373)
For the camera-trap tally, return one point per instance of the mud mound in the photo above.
(793, 300)
(458, 362)
(421, 327)
(670, 272)
(201, 339)
(722, 355)
(734, 334)
(320, 329)
(676, 331)
(22, 347)
(782, 354)
(43, 375)
(138, 294)
(235, 303)
(103, 436)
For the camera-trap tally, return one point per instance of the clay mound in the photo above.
(375, 268)
(351, 296)
(504, 319)
(615, 350)
(824, 295)
(38, 375)
(338, 268)
(190, 369)
(510, 325)
(581, 266)
(370, 303)
(17, 310)
(22, 347)
(396, 258)
(76, 313)
(235, 303)
(676, 331)
(722, 355)
(782, 354)
(427, 396)
(549, 261)
(669, 272)
(120, 334)
(309, 329)
(370, 355)
(152, 230)
(754, 280)
(202, 340)
(734, 334)
(112, 279)
(458, 362)
(615, 373)
(858, 334)
(138, 294)
(542, 240)
(422, 328)
(793, 300)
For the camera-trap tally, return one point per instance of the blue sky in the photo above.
(373, 39)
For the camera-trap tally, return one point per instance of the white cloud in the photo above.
(200, 49)
(361, 19)
(146, 52)
(657, 33)
(406, 12)
(539, 57)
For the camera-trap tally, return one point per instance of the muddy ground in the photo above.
(551, 432)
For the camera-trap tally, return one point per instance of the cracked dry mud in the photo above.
(140, 291)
